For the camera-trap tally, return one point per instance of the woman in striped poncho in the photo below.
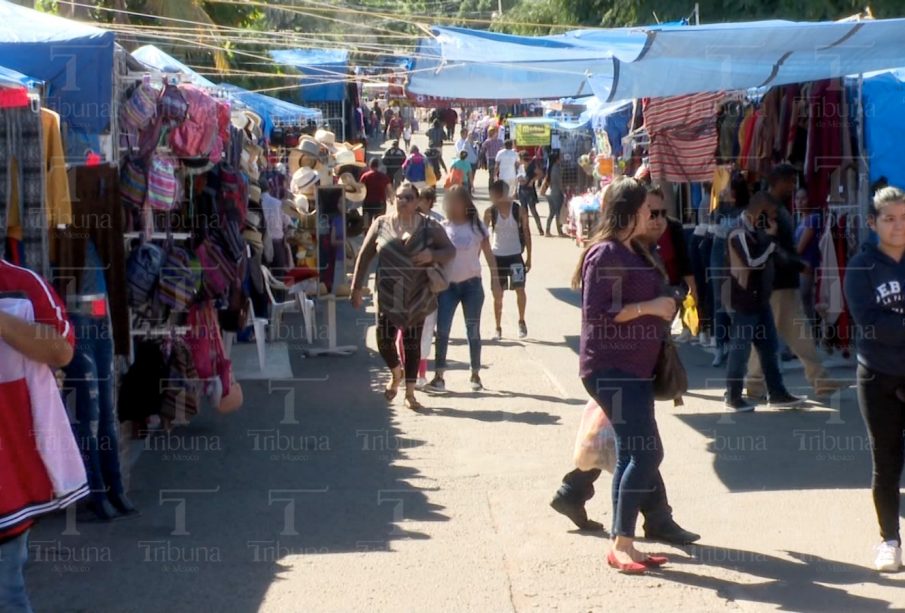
(406, 244)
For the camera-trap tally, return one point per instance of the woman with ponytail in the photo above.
(625, 319)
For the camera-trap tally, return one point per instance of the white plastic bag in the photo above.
(595, 444)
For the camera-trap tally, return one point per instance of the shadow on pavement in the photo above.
(819, 447)
(806, 583)
(306, 467)
(534, 418)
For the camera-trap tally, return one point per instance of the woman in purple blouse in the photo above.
(624, 317)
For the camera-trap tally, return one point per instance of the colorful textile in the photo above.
(683, 133)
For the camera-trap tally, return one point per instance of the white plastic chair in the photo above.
(277, 309)
(300, 303)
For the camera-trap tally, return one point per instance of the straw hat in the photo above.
(346, 157)
(297, 207)
(304, 181)
(308, 153)
(327, 139)
(254, 193)
(354, 191)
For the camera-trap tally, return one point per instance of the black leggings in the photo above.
(884, 413)
(411, 343)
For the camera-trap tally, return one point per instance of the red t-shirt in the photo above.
(377, 184)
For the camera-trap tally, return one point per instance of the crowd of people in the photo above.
(634, 276)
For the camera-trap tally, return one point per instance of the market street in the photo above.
(317, 497)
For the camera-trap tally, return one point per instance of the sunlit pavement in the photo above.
(317, 496)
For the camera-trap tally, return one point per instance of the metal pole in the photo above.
(863, 164)
(697, 14)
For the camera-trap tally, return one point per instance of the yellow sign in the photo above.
(532, 135)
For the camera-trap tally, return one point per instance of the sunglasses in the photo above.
(656, 213)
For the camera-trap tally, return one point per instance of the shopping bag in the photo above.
(690, 314)
(595, 444)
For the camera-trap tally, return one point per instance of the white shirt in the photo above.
(274, 217)
(507, 161)
(504, 240)
(467, 240)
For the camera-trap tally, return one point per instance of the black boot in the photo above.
(574, 510)
(670, 532)
(122, 504)
(101, 509)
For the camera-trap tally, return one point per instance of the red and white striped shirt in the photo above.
(683, 136)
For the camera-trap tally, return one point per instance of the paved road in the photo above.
(319, 497)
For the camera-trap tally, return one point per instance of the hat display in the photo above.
(304, 181)
(254, 193)
(346, 157)
(354, 191)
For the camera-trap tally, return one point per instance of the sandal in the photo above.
(392, 389)
(412, 403)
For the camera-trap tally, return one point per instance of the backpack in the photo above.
(206, 344)
(133, 183)
(198, 134)
(516, 215)
(179, 280)
(143, 273)
(218, 271)
(138, 111)
(172, 106)
(180, 387)
(163, 187)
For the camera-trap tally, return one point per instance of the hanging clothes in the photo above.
(22, 187)
(719, 182)
(824, 150)
(728, 123)
(829, 282)
(97, 217)
(683, 135)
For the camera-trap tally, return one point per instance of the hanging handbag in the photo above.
(436, 275)
(670, 379)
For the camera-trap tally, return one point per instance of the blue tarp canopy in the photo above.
(884, 125)
(14, 78)
(272, 109)
(324, 71)
(151, 56)
(653, 61)
(74, 60)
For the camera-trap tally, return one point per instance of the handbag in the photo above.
(670, 379)
(436, 275)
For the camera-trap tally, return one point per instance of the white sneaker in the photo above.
(420, 383)
(889, 557)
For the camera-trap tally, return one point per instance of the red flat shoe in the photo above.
(632, 568)
(655, 561)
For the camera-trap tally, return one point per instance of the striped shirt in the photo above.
(683, 136)
(490, 148)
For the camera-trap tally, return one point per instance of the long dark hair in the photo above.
(471, 211)
(622, 200)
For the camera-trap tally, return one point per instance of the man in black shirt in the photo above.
(785, 301)
(752, 251)
(393, 159)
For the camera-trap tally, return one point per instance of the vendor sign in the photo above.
(532, 135)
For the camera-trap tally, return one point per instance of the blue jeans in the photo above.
(13, 555)
(470, 294)
(90, 377)
(759, 329)
(628, 402)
